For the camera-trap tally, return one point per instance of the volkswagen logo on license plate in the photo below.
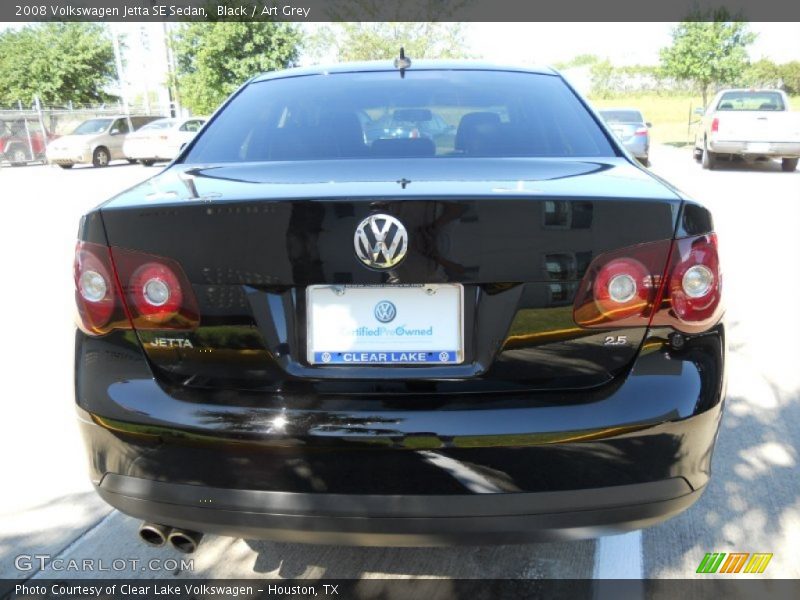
(385, 311)
(381, 241)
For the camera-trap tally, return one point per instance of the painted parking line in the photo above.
(619, 556)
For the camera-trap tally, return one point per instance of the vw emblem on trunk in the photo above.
(385, 311)
(381, 241)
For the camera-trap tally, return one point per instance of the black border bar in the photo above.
(710, 587)
(395, 10)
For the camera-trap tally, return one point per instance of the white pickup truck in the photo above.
(751, 124)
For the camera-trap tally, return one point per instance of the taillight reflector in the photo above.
(715, 125)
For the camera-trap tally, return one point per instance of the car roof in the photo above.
(387, 65)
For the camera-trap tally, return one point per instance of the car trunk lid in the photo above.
(515, 235)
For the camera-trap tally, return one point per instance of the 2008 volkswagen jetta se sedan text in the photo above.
(400, 306)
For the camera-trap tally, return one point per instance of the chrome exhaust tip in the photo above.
(184, 540)
(154, 534)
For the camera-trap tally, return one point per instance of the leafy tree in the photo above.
(706, 52)
(790, 76)
(581, 60)
(763, 73)
(216, 58)
(58, 62)
(377, 41)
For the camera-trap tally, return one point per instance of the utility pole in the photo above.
(120, 76)
(172, 82)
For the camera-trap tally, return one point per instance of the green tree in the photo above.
(762, 73)
(790, 76)
(216, 58)
(581, 60)
(380, 41)
(58, 62)
(709, 49)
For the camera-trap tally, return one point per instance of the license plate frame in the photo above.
(353, 308)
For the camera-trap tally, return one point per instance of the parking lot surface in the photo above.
(751, 505)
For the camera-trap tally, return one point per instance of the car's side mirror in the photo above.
(115, 131)
(648, 123)
(699, 111)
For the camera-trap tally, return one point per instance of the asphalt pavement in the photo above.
(752, 504)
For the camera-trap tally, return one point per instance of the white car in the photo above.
(751, 124)
(161, 140)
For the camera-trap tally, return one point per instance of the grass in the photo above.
(670, 115)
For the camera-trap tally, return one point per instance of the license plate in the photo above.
(385, 325)
(756, 148)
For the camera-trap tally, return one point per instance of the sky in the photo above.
(506, 43)
(622, 43)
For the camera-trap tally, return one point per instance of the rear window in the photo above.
(381, 115)
(160, 124)
(751, 101)
(622, 116)
(92, 126)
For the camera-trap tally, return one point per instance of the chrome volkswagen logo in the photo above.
(381, 241)
(385, 311)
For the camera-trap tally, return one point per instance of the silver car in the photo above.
(96, 141)
(633, 131)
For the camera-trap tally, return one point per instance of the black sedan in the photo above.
(295, 332)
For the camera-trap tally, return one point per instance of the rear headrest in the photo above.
(768, 106)
(726, 106)
(343, 129)
(338, 135)
(403, 148)
(474, 126)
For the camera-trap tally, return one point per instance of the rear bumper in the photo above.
(639, 146)
(739, 148)
(374, 520)
(404, 470)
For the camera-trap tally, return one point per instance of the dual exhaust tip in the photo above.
(183, 540)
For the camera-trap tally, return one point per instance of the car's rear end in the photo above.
(631, 129)
(754, 124)
(335, 341)
(150, 142)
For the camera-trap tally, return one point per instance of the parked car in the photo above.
(161, 139)
(750, 125)
(96, 141)
(296, 334)
(22, 141)
(633, 131)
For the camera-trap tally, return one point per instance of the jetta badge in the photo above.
(381, 241)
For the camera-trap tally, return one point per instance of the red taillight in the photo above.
(157, 293)
(115, 288)
(629, 287)
(100, 308)
(715, 125)
(692, 295)
(641, 131)
(620, 288)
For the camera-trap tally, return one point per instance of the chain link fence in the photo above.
(25, 131)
